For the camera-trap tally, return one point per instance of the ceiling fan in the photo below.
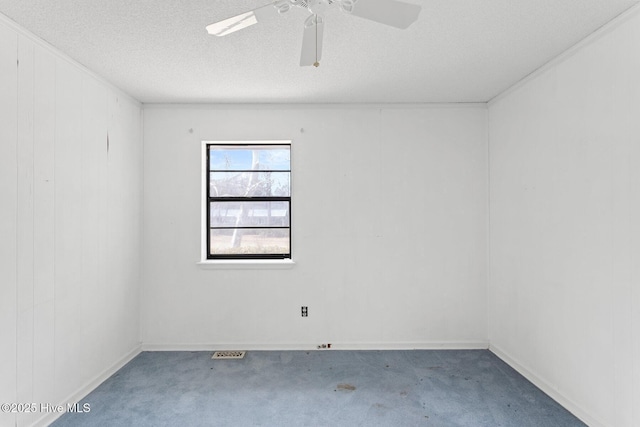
(390, 12)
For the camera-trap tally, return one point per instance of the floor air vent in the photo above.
(228, 355)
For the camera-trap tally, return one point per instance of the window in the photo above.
(248, 205)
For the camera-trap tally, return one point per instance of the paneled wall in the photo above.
(70, 225)
(8, 217)
(565, 227)
(388, 219)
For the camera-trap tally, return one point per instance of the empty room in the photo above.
(320, 212)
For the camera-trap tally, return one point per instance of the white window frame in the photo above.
(232, 263)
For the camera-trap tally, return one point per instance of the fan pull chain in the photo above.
(316, 64)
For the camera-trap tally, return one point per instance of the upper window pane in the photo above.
(249, 157)
(249, 184)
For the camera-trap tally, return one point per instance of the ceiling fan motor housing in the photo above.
(317, 7)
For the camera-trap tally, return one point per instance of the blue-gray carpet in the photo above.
(320, 388)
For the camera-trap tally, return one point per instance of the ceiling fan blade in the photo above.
(244, 20)
(312, 41)
(390, 12)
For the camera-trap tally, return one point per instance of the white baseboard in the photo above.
(453, 345)
(49, 418)
(549, 389)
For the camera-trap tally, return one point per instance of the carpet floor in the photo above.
(439, 388)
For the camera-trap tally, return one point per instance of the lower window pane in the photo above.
(250, 241)
(249, 214)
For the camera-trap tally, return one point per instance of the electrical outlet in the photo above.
(305, 311)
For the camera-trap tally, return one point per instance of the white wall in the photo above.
(8, 220)
(70, 225)
(565, 227)
(389, 230)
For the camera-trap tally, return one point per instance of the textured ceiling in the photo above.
(457, 51)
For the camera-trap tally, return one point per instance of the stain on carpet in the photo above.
(345, 387)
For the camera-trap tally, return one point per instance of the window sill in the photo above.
(247, 264)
